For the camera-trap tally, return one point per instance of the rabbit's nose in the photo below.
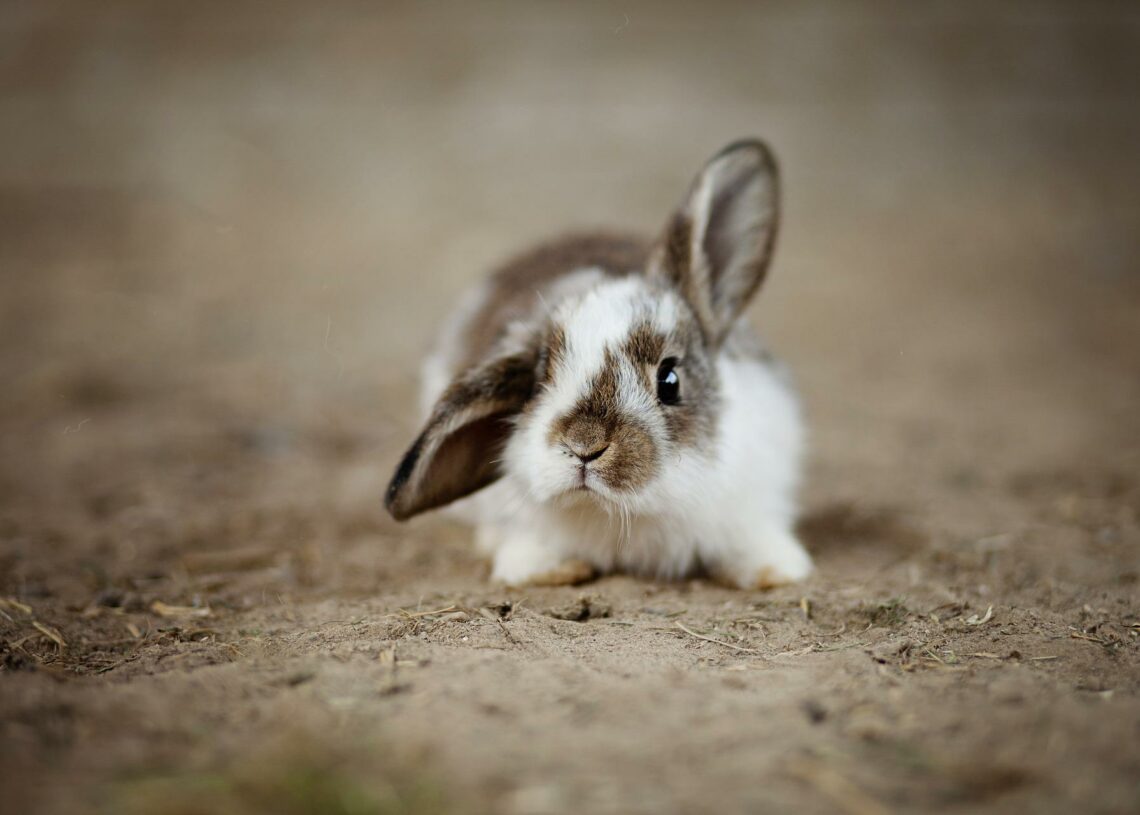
(584, 439)
(585, 454)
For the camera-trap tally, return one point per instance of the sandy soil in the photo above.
(226, 237)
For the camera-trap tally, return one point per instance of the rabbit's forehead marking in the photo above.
(594, 337)
(607, 315)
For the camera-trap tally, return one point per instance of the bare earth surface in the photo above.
(227, 235)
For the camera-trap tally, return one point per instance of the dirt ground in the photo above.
(227, 234)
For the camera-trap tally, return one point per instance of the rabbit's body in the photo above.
(687, 526)
(608, 410)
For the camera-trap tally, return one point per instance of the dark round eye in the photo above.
(668, 382)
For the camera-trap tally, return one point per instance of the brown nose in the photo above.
(585, 454)
(585, 439)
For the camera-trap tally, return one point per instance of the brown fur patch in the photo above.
(676, 265)
(678, 249)
(517, 287)
(645, 348)
(598, 408)
(632, 460)
(509, 379)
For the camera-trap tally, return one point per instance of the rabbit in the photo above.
(600, 405)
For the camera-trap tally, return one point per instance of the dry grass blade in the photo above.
(841, 630)
(164, 610)
(50, 633)
(506, 632)
(114, 665)
(974, 620)
(740, 648)
(13, 604)
(798, 653)
(415, 615)
(1079, 636)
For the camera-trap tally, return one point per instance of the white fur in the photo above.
(730, 507)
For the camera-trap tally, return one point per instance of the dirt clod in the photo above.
(581, 610)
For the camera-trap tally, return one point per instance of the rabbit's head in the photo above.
(612, 394)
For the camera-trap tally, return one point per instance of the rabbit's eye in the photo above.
(668, 382)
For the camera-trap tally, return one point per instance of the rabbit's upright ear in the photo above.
(458, 451)
(717, 245)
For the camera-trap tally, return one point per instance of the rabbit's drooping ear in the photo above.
(718, 244)
(458, 451)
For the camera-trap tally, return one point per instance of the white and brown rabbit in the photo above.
(616, 413)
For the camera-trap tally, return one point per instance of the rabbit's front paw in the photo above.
(525, 561)
(775, 559)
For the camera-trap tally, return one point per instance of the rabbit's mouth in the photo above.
(592, 487)
(586, 484)
(589, 489)
(594, 481)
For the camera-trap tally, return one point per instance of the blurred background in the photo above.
(230, 230)
(267, 208)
